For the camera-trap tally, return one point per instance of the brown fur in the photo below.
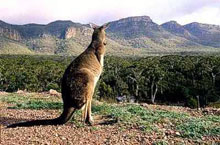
(79, 82)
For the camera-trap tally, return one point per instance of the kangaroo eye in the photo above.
(105, 43)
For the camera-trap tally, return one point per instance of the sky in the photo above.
(102, 11)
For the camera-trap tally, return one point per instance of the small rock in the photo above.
(20, 92)
(54, 92)
(177, 133)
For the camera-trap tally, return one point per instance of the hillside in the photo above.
(128, 36)
(8, 46)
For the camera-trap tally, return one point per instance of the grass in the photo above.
(37, 105)
(133, 115)
(30, 101)
(161, 143)
(199, 127)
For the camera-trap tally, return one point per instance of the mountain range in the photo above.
(128, 36)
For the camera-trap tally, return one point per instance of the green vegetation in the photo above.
(31, 101)
(37, 105)
(31, 73)
(167, 79)
(132, 116)
(161, 143)
(198, 127)
(8, 46)
(140, 117)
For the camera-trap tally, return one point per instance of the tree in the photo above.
(154, 75)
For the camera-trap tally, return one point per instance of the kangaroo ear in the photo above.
(105, 26)
(93, 26)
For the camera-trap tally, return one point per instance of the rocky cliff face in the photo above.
(207, 34)
(133, 27)
(59, 29)
(72, 32)
(176, 29)
(142, 32)
(10, 33)
(134, 20)
(7, 30)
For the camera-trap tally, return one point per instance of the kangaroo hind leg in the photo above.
(87, 111)
(89, 119)
(84, 112)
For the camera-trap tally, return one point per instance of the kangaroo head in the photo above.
(99, 33)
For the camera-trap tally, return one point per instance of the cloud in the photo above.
(207, 15)
(101, 11)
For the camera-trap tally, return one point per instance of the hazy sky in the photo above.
(102, 11)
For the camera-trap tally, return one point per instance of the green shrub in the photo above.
(191, 102)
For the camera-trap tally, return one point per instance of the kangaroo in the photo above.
(79, 82)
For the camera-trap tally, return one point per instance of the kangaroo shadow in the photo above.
(108, 120)
(5, 121)
(104, 120)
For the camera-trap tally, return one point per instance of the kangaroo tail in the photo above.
(62, 119)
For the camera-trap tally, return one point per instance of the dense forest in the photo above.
(162, 79)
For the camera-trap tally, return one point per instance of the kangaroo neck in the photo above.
(99, 50)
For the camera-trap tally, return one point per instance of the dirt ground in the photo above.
(69, 133)
(103, 132)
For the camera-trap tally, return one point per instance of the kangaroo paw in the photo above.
(89, 121)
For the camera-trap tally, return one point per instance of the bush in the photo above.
(191, 102)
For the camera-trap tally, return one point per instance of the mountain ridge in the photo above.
(125, 36)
